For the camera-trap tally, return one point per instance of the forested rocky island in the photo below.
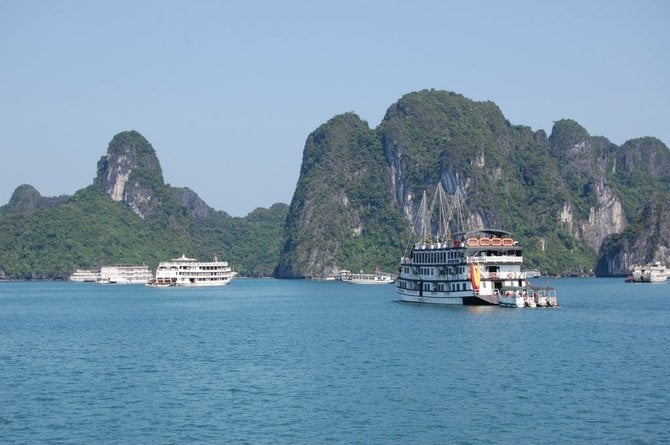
(579, 204)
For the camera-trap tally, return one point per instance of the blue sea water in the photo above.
(269, 361)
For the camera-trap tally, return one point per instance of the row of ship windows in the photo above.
(433, 271)
(437, 257)
(430, 287)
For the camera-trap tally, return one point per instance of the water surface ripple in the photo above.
(268, 361)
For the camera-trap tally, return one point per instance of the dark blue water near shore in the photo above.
(265, 361)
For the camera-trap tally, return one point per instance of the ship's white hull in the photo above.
(431, 299)
(203, 283)
(461, 298)
(650, 278)
(513, 301)
(650, 273)
(124, 281)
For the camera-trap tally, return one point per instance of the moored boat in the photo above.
(85, 276)
(513, 296)
(649, 273)
(474, 267)
(545, 296)
(186, 271)
(124, 274)
(367, 278)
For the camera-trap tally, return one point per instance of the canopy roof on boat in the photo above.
(486, 232)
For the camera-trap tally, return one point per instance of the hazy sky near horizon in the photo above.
(228, 91)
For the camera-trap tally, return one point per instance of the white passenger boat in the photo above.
(472, 268)
(531, 296)
(545, 296)
(368, 278)
(514, 297)
(649, 273)
(190, 272)
(85, 276)
(124, 274)
(475, 267)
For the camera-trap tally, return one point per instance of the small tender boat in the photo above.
(545, 296)
(513, 297)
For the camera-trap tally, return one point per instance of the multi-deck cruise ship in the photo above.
(474, 267)
(190, 272)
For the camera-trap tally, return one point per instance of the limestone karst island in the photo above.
(579, 204)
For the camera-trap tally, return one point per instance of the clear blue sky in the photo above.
(228, 91)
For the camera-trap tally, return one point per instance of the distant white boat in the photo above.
(533, 273)
(185, 271)
(367, 278)
(124, 274)
(85, 276)
(649, 273)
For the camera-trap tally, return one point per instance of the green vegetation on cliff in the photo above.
(569, 198)
(47, 238)
(91, 230)
(561, 195)
(341, 215)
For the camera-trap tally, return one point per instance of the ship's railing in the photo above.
(503, 275)
(433, 245)
(502, 259)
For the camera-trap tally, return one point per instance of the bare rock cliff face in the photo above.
(131, 173)
(640, 164)
(585, 162)
(605, 218)
(646, 240)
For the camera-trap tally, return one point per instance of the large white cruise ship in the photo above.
(473, 267)
(190, 272)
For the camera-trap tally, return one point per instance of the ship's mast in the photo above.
(440, 206)
(446, 212)
(423, 216)
(457, 206)
(435, 223)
